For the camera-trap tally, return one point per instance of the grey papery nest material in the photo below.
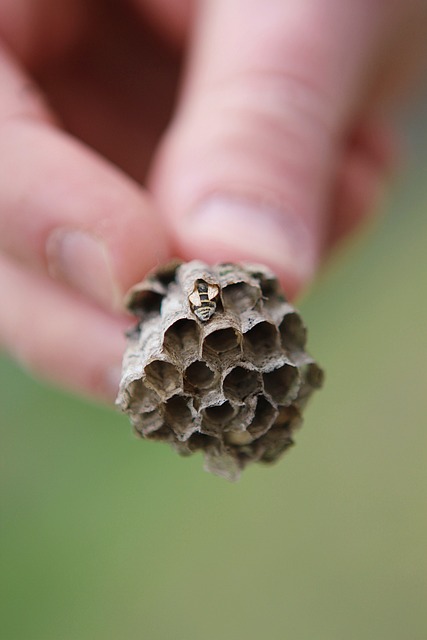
(217, 364)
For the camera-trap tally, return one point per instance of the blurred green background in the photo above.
(106, 537)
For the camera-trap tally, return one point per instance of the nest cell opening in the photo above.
(141, 398)
(201, 441)
(261, 340)
(240, 297)
(182, 335)
(293, 332)
(314, 375)
(163, 376)
(264, 417)
(199, 375)
(164, 434)
(178, 414)
(145, 302)
(277, 442)
(148, 423)
(269, 285)
(289, 417)
(282, 384)
(167, 274)
(240, 383)
(222, 340)
(220, 414)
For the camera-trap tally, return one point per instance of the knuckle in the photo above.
(268, 124)
(287, 104)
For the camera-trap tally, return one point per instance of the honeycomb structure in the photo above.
(232, 386)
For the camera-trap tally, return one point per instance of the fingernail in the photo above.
(81, 260)
(238, 229)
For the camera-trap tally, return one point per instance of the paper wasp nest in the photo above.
(216, 364)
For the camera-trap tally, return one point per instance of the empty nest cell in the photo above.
(146, 298)
(292, 332)
(264, 417)
(178, 416)
(240, 297)
(268, 283)
(273, 444)
(163, 377)
(222, 340)
(314, 375)
(219, 414)
(141, 398)
(166, 274)
(241, 383)
(261, 340)
(149, 422)
(201, 442)
(288, 417)
(199, 375)
(282, 384)
(182, 336)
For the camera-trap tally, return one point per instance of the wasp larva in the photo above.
(202, 299)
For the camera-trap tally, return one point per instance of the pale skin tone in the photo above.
(272, 145)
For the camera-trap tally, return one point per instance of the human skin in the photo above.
(271, 144)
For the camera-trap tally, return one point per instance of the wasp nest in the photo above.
(217, 363)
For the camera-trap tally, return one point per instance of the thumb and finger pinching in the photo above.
(248, 164)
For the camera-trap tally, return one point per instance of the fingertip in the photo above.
(226, 228)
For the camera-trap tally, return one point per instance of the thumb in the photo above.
(246, 168)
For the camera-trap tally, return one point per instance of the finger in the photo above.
(58, 335)
(369, 161)
(42, 30)
(66, 211)
(172, 18)
(247, 167)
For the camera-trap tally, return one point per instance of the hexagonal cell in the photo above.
(166, 273)
(244, 415)
(282, 384)
(260, 341)
(148, 423)
(293, 332)
(216, 418)
(240, 296)
(312, 376)
(199, 375)
(164, 434)
(178, 416)
(163, 377)
(182, 337)
(268, 282)
(222, 340)
(273, 444)
(288, 417)
(240, 383)
(265, 414)
(202, 442)
(141, 398)
(145, 301)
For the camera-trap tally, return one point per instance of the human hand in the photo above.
(277, 149)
